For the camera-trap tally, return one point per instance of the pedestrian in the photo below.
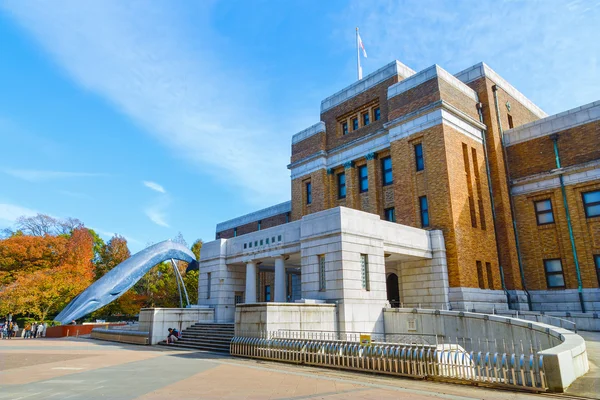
(40, 330)
(27, 330)
(10, 330)
(33, 329)
(4, 329)
(16, 330)
(45, 327)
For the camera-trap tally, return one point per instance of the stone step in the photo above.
(205, 337)
(220, 331)
(215, 342)
(205, 344)
(217, 349)
(225, 326)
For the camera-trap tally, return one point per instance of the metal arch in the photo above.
(121, 278)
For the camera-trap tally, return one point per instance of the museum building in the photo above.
(424, 189)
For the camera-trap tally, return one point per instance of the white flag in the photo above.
(360, 43)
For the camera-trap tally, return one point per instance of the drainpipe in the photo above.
(489, 179)
(566, 206)
(510, 199)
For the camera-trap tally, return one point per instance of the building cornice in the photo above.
(550, 180)
(553, 124)
(420, 120)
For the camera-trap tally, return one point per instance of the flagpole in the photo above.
(358, 71)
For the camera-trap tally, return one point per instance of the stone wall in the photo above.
(565, 356)
(260, 318)
(157, 321)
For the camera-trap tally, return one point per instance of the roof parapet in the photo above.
(255, 216)
(308, 132)
(392, 69)
(482, 69)
(554, 123)
(427, 74)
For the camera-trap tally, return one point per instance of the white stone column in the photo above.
(250, 282)
(279, 280)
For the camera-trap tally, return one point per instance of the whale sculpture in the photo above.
(121, 278)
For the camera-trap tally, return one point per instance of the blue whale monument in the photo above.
(122, 277)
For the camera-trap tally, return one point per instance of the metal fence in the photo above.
(449, 362)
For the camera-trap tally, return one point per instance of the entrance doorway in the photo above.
(393, 292)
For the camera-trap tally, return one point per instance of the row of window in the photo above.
(545, 215)
(262, 242)
(555, 278)
(365, 118)
(363, 175)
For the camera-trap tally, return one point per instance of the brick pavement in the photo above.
(85, 369)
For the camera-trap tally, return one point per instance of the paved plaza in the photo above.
(87, 369)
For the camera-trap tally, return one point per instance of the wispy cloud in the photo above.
(154, 186)
(33, 175)
(157, 216)
(10, 212)
(544, 48)
(139, 58)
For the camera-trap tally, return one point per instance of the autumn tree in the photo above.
(112, 254)
(47, 291)
(23, 254)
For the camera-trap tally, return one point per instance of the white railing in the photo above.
(438, 361)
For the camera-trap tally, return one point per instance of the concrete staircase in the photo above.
(208, 337)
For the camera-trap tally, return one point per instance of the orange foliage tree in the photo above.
(21, 254)
(46, 290)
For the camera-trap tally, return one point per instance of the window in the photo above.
(390, 214)
(234, 232)
(366, 119)
(354, 124)
(554, 274)
(322, 282)
(245, 245)
(597, 262)
(308, 193)
(259, 224)
(268, 293)
(267, 240)
(377, 113)
(279, 238)
(543, 212)
(386, 171)
(591, 203)
(490, 277)
(208, 282)
(287, 218)
(480, 278)
(510, 122)
(363, 179)
(261, 242)
(424, 211)
(218, 235)
(250, 244)
(420, 163)
(364, 271)
(341, 185)
(345, 128)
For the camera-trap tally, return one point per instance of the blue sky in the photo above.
(149, 118)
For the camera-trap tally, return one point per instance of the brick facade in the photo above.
(468, 155)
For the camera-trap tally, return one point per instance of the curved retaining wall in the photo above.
(565, 356)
